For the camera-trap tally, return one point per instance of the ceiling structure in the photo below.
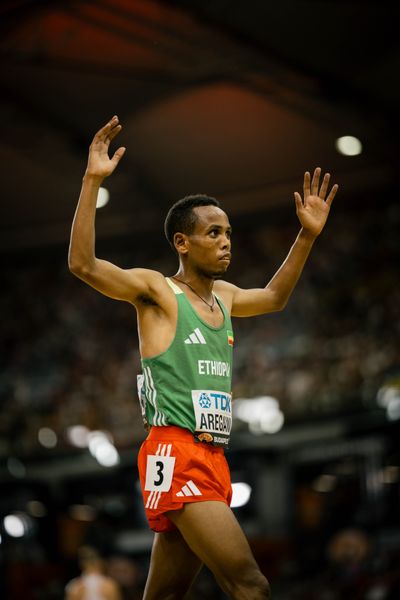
(231, 98)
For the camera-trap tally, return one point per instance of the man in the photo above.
(186, 339)
(92, 584)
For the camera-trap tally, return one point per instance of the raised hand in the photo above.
(313, 209)
(99, 163)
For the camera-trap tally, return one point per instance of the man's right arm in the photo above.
(105, 277)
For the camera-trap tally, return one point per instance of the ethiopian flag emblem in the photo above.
(230, 337)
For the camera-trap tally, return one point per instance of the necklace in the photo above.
(210, 306)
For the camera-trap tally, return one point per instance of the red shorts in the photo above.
(174, 469)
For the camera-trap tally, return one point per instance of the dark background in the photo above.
(236, 100)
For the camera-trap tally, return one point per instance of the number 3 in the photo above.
(159, 473)
(160, 468)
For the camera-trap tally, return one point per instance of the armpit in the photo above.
(147, 300)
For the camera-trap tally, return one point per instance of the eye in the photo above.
(214, 232)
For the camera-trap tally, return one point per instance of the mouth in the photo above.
(226, 258)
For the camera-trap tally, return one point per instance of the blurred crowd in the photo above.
(70, 356)
(337, 341)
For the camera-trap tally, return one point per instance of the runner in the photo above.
(186, 339)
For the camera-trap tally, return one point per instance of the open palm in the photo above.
(313, 209)
(99, 162)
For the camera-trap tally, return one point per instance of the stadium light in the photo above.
(241, 493)
(103, 197)
(348, 145)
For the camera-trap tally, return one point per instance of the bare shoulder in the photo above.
(156, 282)
(225, 291)
(156, 291)
(74, 589)
(110, 589)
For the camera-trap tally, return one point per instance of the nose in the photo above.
(226, 242)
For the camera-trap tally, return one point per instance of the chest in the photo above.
(214, 318)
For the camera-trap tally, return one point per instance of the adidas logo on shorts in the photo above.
(196, 337)
(189, 489)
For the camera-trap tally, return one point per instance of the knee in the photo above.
(264, 588)
(252, 585)
(259, 588)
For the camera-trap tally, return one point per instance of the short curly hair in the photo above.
(181, 218)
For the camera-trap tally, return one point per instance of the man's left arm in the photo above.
(312, 210)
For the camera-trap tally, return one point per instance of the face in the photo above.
(208, 248)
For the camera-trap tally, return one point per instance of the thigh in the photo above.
(215, 536)
(173, 568)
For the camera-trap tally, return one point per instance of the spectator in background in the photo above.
(92, 584)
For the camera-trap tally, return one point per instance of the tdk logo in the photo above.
(219, 400)
(204, 400)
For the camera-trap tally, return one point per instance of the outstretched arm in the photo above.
(107, 278)
(312, 210)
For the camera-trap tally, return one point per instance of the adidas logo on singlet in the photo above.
(196, 337)
(189, 489)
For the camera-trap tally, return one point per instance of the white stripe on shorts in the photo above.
(154, 496)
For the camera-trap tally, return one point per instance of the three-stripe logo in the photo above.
(196, 337)
(189, 489)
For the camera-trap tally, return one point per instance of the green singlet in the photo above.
(189, 385)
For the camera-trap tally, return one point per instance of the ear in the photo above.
(181, 243)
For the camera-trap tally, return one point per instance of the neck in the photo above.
(202, 283)
(205, 296)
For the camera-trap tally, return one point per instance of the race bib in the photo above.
(213, 414)
(159, 473)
